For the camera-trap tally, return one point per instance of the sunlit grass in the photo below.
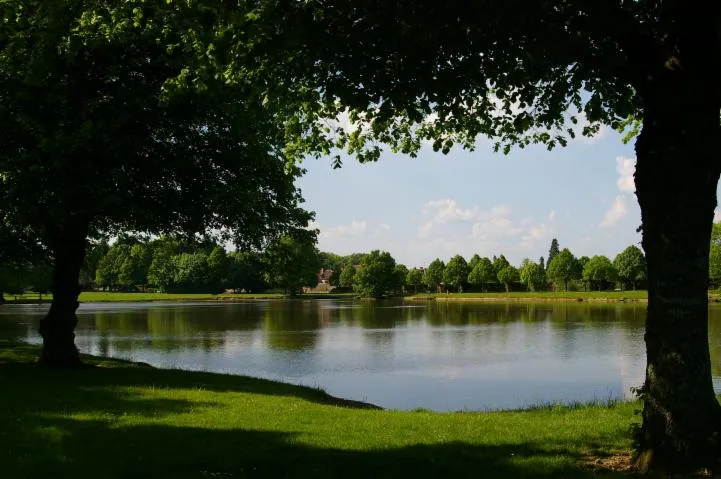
(101, 296)
(122, 420)
(574, 295)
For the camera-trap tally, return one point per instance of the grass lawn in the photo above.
(124, 420)
(99, 296)
(545, 295)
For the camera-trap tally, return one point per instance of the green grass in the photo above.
(93, 297)
(124, 420)
(542, 295)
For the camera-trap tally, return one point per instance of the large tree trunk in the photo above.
(57, 328)
(676, 176)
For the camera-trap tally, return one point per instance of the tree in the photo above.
(433, 275)
(500, 263)
(599, 271)
(457, 70)
(245, 272)
(334, 263)
(456, 273)
(127, 137)
(192, 273)
(508, 276)
(400, 274)
(532, 275)
(630, 265)
(292, 262)
(95, 252)
(134, 270)
(553, 250)
(482, 274)
(107, 274)
(376, 275)
(563, 268)
(581, 263)
(473, 262)
(347, 275)
(219, 266)
(541, 263)
(414, 278)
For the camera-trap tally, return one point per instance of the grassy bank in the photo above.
(539, 296)
(99, 297)
(123, 420)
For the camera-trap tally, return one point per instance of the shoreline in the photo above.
(526, 299)
(99, 297)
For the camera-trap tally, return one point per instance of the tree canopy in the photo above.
(630, 265)
(377, 275)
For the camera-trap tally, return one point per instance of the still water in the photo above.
(435, 355)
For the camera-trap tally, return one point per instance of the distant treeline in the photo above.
(377, 274)
(292, 263)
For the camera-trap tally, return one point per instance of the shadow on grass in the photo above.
(79, 449)
(63, 424)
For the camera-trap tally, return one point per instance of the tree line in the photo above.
(377, 273)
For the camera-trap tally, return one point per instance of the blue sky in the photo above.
(481, 202)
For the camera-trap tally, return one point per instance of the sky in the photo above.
(480, 202)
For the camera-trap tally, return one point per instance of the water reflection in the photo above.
(437, 355)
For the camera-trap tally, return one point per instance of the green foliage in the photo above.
(414, 279)
(630, 265)
(499, 263)
(292, 262)
(246, 272)
(401, 273)
(347, 275)
(376, 275)
(552, 251)
(507, 276)
(218, 269)
(107, 274)
(334, 263)
(482, 274)
(96, 251)
(151, 120)
(599, 271)
(433, 275)
(473, 262)
(191, 272)
(455, 274)
(563, 268)
(532, 275)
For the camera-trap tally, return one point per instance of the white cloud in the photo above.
(716, 215)
(552, 215)
(447, 224)
(625, 168)
(615, 213)
(355, 228)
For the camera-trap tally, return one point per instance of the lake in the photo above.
(436, 355)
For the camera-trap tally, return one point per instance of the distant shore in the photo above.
(111, 297)
(545, 296)
(551, 296)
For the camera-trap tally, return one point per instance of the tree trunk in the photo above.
(57, 328)
(676, 177)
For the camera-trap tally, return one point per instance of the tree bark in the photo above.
(57, 328)
(676, 177)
